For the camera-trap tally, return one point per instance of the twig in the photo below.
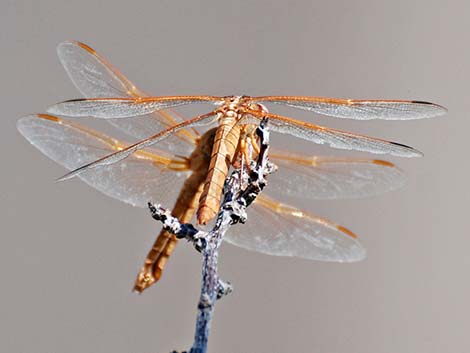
(240, 191)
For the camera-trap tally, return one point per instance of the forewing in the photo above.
(360, 109)
(92, 74)
(143, 177)
(332, 137)
(118, 108)
(277, 229)
(96, 77)
(322, 178)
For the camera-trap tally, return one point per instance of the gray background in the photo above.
(69, 255)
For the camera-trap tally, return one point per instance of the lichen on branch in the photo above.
(241, 188)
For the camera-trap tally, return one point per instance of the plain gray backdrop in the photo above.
(69, 255)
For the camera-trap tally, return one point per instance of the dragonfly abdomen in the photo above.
(184, 209)
(225, 145)
(165, 243)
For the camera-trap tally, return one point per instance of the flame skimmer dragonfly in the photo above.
(153, 174)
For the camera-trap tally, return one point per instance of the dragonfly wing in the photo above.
(180, 143)
(333, 138)
(96, 77)
(92, 74)
(274, 228)
(322, 178)
(117, 156)
(360, 109)
(117, 108)
(144, 177)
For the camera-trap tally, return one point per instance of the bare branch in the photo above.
(240, 191)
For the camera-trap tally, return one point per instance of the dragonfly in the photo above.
(197, 164)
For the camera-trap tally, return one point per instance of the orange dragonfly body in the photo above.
(148, 174)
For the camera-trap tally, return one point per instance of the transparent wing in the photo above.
(96, 77)
(274, 228)
(119, 155)
(181, 143)
(145, 176)
(117, 108)
(92, 74)
(331, 137)
(321, 178)
(360, 109)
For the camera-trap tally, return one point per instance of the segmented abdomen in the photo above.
(224, 147)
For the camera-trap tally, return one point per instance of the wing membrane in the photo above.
(333, 138)
(116, 108)
(96, 77)
(92, 74)
(274, 228)
(360, 109)
(321, 178)
(143, 177)
(121, 154)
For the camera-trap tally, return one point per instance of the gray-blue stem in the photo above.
(240, 191)
(208, 296)
(211, 288)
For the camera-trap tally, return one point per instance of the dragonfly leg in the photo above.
(254, 140)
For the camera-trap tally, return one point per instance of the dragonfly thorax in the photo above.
(236, 107)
